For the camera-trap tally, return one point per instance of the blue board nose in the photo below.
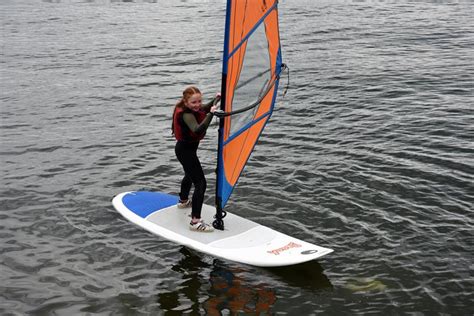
(144, 203)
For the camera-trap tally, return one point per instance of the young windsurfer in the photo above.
(190, 122)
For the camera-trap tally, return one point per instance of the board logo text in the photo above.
(284, 248)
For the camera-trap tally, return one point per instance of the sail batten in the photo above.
(253, 29)
(250, 75)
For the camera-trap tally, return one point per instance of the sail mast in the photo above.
(219, 223)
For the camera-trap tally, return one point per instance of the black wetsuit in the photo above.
(186, 152)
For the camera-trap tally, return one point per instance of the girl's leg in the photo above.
(193, 169)
(200, 185)
(186, 184)
(187, 156)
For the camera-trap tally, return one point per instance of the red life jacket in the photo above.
(181, 131)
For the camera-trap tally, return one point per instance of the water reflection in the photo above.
(189, 267)
(231, 292)
(232, 288)
(226, 289)
(308, 275)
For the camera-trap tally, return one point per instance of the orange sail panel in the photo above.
(250, 75)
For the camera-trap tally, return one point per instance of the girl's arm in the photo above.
(193, 125)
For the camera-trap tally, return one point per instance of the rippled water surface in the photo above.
(370, 153)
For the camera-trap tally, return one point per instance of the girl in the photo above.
(190, 122)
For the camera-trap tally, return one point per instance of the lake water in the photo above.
(370, 153)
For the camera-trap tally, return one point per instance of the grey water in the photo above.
(370, 153)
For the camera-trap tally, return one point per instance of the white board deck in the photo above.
(242, 240)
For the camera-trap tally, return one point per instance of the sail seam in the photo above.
(246, 127)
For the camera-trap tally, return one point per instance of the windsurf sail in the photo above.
(252, 64)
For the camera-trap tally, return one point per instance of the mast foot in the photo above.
(218, 224)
